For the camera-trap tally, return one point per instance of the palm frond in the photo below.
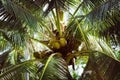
(64, 4)
(101, 67)
(113, 33)
(3, 43)
(14, 38)
(13, 23)
(19, 12)
(102, 47)
(104, 9)
(8, 21)
(3, 57)
(32, 5)
(49, 5)
(101, 16)
(55, 68)
(13, 72)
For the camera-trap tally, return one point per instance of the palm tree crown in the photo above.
(43, 37)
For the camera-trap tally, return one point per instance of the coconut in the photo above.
(56, 45)
(63, 42)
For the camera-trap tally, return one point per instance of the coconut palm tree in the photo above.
(67, 29)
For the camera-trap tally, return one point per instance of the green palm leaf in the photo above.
(101, 67)
(101, 17)
(18, 11)
(64, 4)
(104, 9)
(13, 72)
(15, 39)
(55, 69)
(113, 33)
(35, 5)
(102, 47)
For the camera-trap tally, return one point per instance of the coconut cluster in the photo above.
(57, 44)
